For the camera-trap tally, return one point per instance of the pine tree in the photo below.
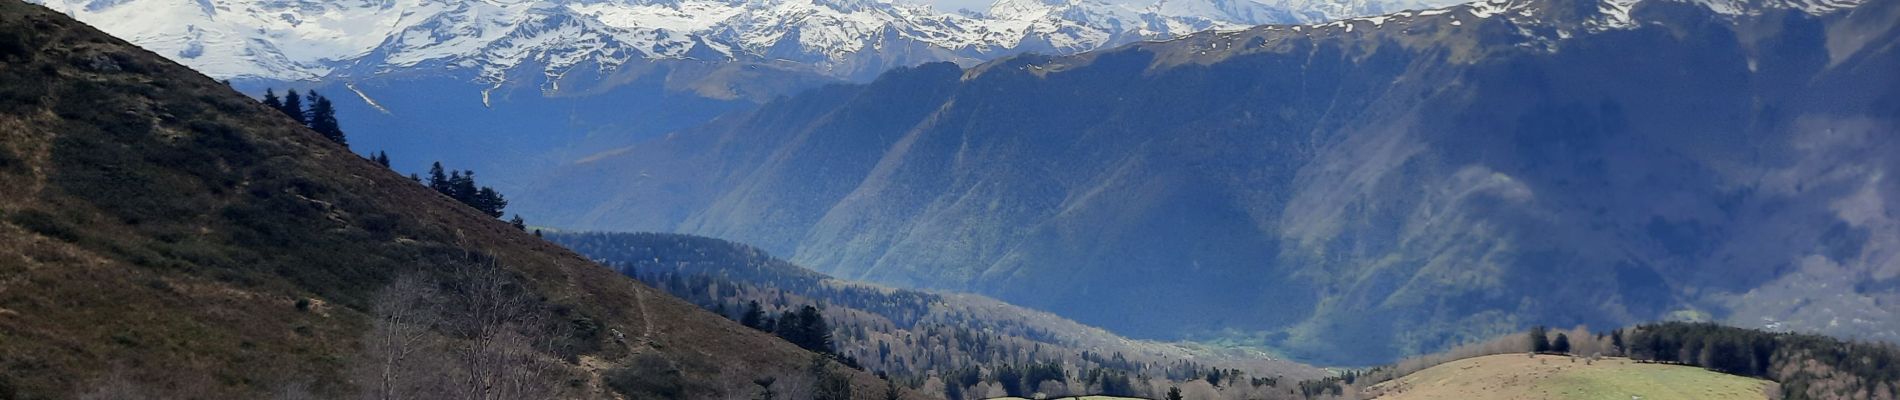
(1011, 380)
(488, 200)
(322, 118)
(1539, 341)
(753, 317)
(1174, 393)
(1561, 345)
(293, 107)
(815, 331)
(381, 158)
(523, 226)
(461, 187)
(438, 180)
(271, 100)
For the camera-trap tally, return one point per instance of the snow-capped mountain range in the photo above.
(289, 40)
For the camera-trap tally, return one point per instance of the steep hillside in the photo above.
(1350, 191)
(925, 339)
(162, 235)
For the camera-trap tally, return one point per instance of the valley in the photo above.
(1347, 193)
(864, 199)
(945, 343)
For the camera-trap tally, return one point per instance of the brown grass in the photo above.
(158, 228)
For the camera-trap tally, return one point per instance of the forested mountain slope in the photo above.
(1350, 191)
(162, 235)
(956, 345)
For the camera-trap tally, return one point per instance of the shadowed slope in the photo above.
(158, 228)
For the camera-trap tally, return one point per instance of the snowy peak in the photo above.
(310, 39)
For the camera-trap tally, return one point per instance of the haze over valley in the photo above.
(858, 199)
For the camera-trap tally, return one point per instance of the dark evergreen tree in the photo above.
(523, 226)
(322, 118)
(753, 316)
(293, 107)
(1561, 345)
(460, 187)
(271, 100)
(438, 180)
(487, 200)
(1540, 341)
(1174, 393)
(381, 158)
(1011, 380)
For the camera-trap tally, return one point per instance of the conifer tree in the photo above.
(488, 200)
(271, 100)
(322, 118)
(1539, 341)
(523, 226)
(293, 107)
(754, 316)
(1561, 345)
(438, 180)
(1174, 393)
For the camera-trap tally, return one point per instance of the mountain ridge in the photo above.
(844, 39)
(1422, 178)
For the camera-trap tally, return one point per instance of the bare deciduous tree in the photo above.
(506, 334)
(477, 335)
(115, 385)
(399, 358)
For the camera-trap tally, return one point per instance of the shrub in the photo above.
(44, 224)
(647, 376)
(8, 160)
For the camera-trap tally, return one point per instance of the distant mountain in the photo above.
(1349, 191)
(852, 39)
(920, 337)
(163, 236)
(511, 88)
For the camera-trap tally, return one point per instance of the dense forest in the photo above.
(959, 347)
(1806, 366)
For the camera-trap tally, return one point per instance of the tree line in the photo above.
(1806, 366)
(320, 116)
(924, 341)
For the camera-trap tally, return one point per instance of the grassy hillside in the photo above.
(163, 236)
(1516, 376)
